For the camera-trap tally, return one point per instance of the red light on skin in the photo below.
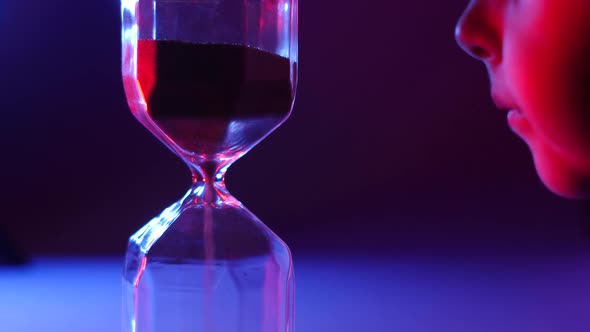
(537, 54)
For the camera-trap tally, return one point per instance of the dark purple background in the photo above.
(393, 144)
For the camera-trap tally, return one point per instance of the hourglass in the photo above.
(210, 79)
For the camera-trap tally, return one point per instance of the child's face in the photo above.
(537, 53)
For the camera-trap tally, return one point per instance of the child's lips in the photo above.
(516, 118)
(519, 123)
(502, 99)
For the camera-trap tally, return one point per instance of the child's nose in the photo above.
(477, 34)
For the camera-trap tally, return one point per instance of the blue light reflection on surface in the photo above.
(335, 294)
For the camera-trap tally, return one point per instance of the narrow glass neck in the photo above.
(208, 185)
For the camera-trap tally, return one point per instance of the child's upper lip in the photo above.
(502, 101)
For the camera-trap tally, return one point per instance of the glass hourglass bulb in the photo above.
(210, 79)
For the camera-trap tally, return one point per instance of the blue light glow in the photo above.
(401, 294)
(199, 191)
(128, 5)
(154, 23)
(284, 24)
(148, 234)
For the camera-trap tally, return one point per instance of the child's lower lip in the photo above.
(519, 123)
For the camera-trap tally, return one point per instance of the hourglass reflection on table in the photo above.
(210, 79)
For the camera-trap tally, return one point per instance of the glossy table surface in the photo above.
(539, 293)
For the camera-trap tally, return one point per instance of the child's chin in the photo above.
(566, 191)
(558, 176)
